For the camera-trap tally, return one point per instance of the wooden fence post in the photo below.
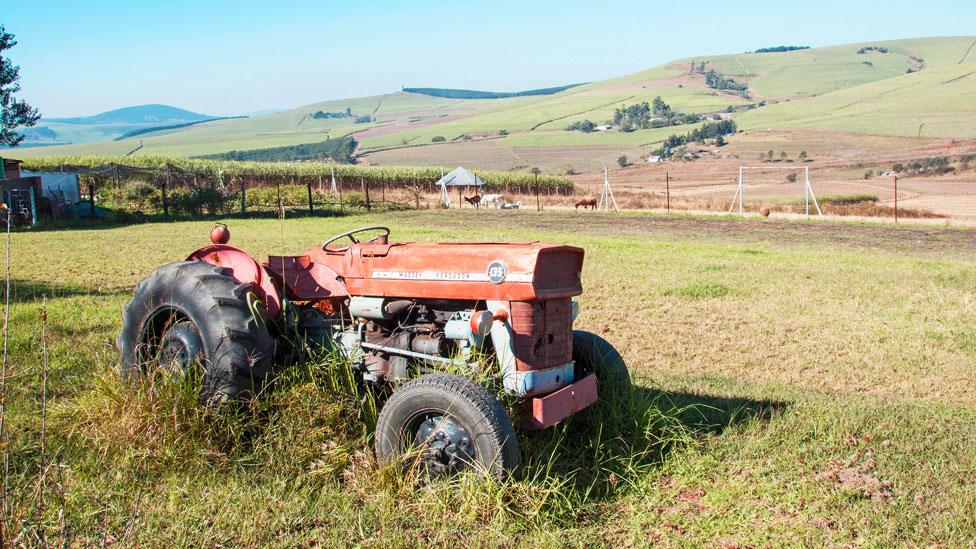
(165, 202)
(91, 196)
(311, 208)
(365, 185)
(243, 197)
(281, 212)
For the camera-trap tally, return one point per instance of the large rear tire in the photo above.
(593, 354)
(193, 314)
(446, 424)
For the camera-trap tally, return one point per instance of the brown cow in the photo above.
(591, 202)
(474, 200)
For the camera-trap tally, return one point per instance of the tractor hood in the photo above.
(483, 270)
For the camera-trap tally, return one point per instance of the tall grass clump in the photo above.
(310, 434)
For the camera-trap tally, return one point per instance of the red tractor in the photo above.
(403, 314)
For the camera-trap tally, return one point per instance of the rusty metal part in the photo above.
(548, 410)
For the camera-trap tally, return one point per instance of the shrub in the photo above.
(438, 139)
(622, 161)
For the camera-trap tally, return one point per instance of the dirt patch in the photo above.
(855, 476)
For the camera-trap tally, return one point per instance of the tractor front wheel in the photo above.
(193, 314)
(444, 424)
(594, 355)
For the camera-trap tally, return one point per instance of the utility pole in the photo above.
(538, 204)
(896, 199)
(667, 190)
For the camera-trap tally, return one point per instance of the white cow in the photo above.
(510, 206)
(491, 199)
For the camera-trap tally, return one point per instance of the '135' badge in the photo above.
(497, 272)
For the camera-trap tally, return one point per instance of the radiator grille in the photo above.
(543, 333)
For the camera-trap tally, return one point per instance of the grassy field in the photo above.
(799, 384)
(817, 71)
(937, 102)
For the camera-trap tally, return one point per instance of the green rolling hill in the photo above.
(108, 125)
(892, 87)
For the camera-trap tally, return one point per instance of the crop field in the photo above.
(799, 384)
(804, 73)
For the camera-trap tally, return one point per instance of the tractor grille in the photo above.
(543, 333)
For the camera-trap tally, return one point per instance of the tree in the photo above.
(791, 177)
(783, 155)
(803, 155)
(438, 139)
(769, 155)
(622, 161)
(719, 141)
(14, 112)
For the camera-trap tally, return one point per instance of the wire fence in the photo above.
(171, 190)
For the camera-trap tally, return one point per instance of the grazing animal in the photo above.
(587, 202)
(509, 206)
(473, 200)
(491, 199)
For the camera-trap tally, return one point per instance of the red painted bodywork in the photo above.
(243, 268)
(548, 410)
(540, 279)
(457, 270)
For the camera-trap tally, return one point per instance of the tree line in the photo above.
(338, 150)
(708, 130)
(478, 94)
(641, 116)
(779, 49)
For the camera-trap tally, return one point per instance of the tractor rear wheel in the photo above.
(449, 424)
(595, 355)
(193, 314)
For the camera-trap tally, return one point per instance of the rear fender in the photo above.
(244, 269)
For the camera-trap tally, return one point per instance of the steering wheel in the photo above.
(350, 235)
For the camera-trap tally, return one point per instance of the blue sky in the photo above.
(225, 57)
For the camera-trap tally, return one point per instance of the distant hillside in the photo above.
(913, 87)
(137, 115)
(167, 127)
(477, 94)
(114, 124)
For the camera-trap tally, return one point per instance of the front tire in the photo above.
(593, 354)
(193, 314)
(450, 424)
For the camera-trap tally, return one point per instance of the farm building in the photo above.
(11, 169)
(28, 194)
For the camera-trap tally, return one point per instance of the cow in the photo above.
(510, 206)
(587, 202)
(473, 200)
(491, 199)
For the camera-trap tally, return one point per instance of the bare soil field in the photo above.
(837, 163)
(840, 164)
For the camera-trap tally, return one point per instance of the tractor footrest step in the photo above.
(548, 410)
